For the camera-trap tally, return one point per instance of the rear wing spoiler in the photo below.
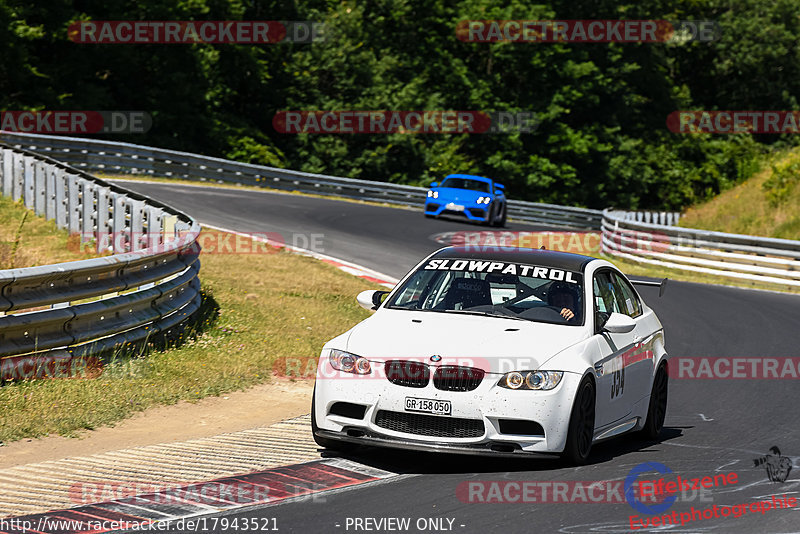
(661, 285)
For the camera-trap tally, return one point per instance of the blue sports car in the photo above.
(477, 198)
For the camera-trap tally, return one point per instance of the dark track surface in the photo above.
(712, 425)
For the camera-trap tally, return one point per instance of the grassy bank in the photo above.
(274, 306)
(768, 204)
(27, 240)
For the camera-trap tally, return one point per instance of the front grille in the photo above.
(431, 206)
(407, 373)
(457, 378)
(430, 425)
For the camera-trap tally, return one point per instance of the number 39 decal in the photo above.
(617, 383)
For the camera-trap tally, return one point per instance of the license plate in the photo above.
(436, 407)
(455, 207)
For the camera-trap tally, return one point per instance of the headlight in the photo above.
(434, 194)
(349, 363)
(484, 200)
(536, 380)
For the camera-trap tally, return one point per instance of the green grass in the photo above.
(27, 240)
(275, 307)
(767, 204)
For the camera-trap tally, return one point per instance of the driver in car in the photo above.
(561, 296)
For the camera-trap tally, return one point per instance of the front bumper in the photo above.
(498, 449)
(489, 406)
(472, 212)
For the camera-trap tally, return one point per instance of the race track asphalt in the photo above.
(713, 425)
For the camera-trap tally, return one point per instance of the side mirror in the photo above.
(371, 299)
(434, 184)
(619, 323)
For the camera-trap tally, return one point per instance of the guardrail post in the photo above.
(60, 197)
(155, 223)
(102, 215)
(73, 205)
(87, 205)
(8, 171)
(137, 225)
(17, 176)
(39, 187)
(119, 227)
(27, 184)
(50, 193)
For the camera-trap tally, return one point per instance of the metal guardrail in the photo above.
(751, 258)
(645, 237)
(667, 218)
(141, 292)
(111, 157)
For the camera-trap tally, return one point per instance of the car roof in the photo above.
(546, 258)
(470, 176)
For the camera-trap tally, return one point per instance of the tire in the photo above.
(501, 221)
(331, 444)
(581, 425)
(657, 409)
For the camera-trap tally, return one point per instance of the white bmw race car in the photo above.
(511, 353)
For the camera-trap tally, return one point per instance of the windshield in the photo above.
(484, 287)
(466, 183)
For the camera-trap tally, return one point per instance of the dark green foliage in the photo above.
(602, 138)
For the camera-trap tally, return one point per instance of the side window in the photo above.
(632, 304)
(605, 294)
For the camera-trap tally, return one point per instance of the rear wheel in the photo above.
(332, 444)
(657, 410)
(581, 425)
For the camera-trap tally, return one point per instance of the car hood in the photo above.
(463, 195)
(496, 345)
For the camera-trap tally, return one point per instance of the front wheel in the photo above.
(657, 409)
(581, 425)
